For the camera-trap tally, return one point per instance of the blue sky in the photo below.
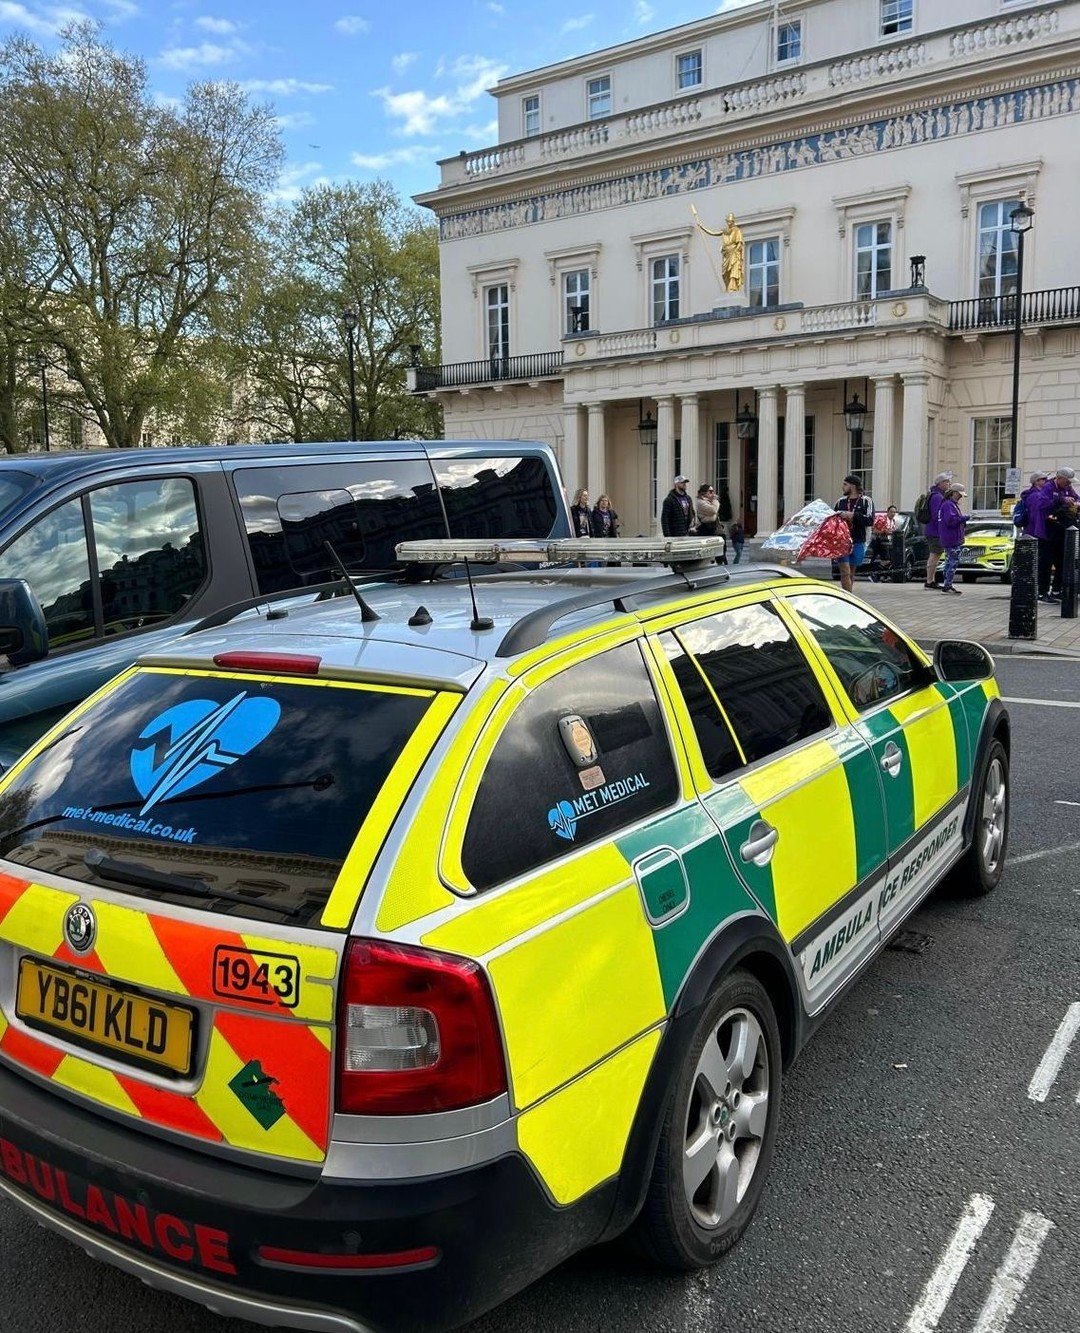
(362, 88)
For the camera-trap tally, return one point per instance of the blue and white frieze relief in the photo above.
(914, 127)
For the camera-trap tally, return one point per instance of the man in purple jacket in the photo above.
(933, 537)
(1053, 509)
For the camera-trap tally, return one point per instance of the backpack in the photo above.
(922, 508)
(1021, 514)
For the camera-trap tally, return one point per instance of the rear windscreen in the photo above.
(229, 793)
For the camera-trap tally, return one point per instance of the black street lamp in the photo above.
(1020, 223)
(646, 425)
(348, 318)
(854, 416)
(746, 423)
(918, 271)
(41, 362)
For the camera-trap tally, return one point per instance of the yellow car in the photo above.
(987, 550)
(362, 959)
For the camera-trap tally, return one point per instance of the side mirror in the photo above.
(960, 659)
(24, 635)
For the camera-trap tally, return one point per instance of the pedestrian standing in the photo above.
(857, 510)
(1062, 513)
(707, 510)
(677, 516)
(951, 522)
(581, 515)
(933, 538)
(605, 521)
(737, 534)
(1022, 510)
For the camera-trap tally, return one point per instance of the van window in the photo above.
(586, 754)
(249, 789)
(150, 550)
(13, 485)
(52, 557)
(364, 507)
(497, 497)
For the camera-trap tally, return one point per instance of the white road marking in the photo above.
(1076, 803)
(924, 1318)
(1042, 703)
(1054, 1057)
(1011, 1278)
(1042, 855)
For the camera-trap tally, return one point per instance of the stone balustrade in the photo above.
(763, 94)
(666, 116)
(834, 318)
(625, 344)
(1005, 31)
(490, 161)
(878, 64)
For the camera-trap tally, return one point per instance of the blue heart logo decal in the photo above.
(193, 741)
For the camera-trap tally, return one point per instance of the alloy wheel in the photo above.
(992, 815)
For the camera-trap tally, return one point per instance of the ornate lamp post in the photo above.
(1020, 223)
(348, 318)
(41, 364)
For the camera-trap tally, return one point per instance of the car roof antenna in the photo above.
(478, 621)
(366, 612)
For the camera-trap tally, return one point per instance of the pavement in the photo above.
(981, 613)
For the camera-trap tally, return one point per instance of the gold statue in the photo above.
(732, 251)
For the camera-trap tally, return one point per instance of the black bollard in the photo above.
(1070, 575)
(1023, 603)
(897, 555)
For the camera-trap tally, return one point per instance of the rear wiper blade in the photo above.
(188, 886)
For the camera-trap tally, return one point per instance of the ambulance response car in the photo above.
(359, 963)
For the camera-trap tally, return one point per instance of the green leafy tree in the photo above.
(138, 223)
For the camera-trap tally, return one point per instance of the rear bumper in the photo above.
(199, 1227)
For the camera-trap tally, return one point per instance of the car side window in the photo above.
(757, 693)
(874, 664)
(150, 550)
(583, 756)
(52, 557)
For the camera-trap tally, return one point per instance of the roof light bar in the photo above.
(608, 550)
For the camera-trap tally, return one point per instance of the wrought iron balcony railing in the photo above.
(1056, 305)
(538, 366)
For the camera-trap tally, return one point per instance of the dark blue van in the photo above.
(110, 554)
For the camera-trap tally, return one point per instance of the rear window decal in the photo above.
(194, 740)
(564, 816)
(578, 740)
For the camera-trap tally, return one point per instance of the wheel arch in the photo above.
(996, 726)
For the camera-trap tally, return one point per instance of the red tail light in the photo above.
(277, 664)
(417, 1032)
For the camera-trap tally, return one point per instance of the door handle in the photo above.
(892, 760)
(759, 846)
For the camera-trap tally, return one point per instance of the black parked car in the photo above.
(877, 563)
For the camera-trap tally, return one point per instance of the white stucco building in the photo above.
(847, 137)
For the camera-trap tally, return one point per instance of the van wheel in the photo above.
(981, 867)
(718, 1132)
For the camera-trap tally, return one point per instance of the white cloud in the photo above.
(643, 12)
(295, 179)
(401, 62)
(222, 27)
(575, 25)
(205, 55)
(394, 157)
(169, 103)
(488, 133)
(121, 9)
(46, 23)
(284, 87)
(352, 25)
(295, 120)
(495, 7)
(422, 112)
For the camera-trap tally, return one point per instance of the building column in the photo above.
(572, 450)
(881, 484)
(914, 459)
(767, 466)
(665, 451)
(596, 468)
(690, 434)
(794, 448)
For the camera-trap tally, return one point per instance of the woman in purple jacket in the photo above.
(951, 523)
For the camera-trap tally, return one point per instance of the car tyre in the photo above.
(718, 1130)
(967, 578)
(980, 869)
(1007, 576)
(909, 569)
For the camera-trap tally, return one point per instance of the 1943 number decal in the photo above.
(249, 974)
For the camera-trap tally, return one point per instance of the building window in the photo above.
(873, 260)
(861, 457)
(721, 468)
(788, 41)
(997, 248)
(991, 441)
(808, 475)
(576, 301)
(897, 16)
(599, 91)
(763, 271)
(665, 288)
(497, 307)
(530, 115)
(688, 69)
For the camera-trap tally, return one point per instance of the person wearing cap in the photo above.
(1062, 512)
(933, 536)
(951, 523)
(677, 511)
(857, 510)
